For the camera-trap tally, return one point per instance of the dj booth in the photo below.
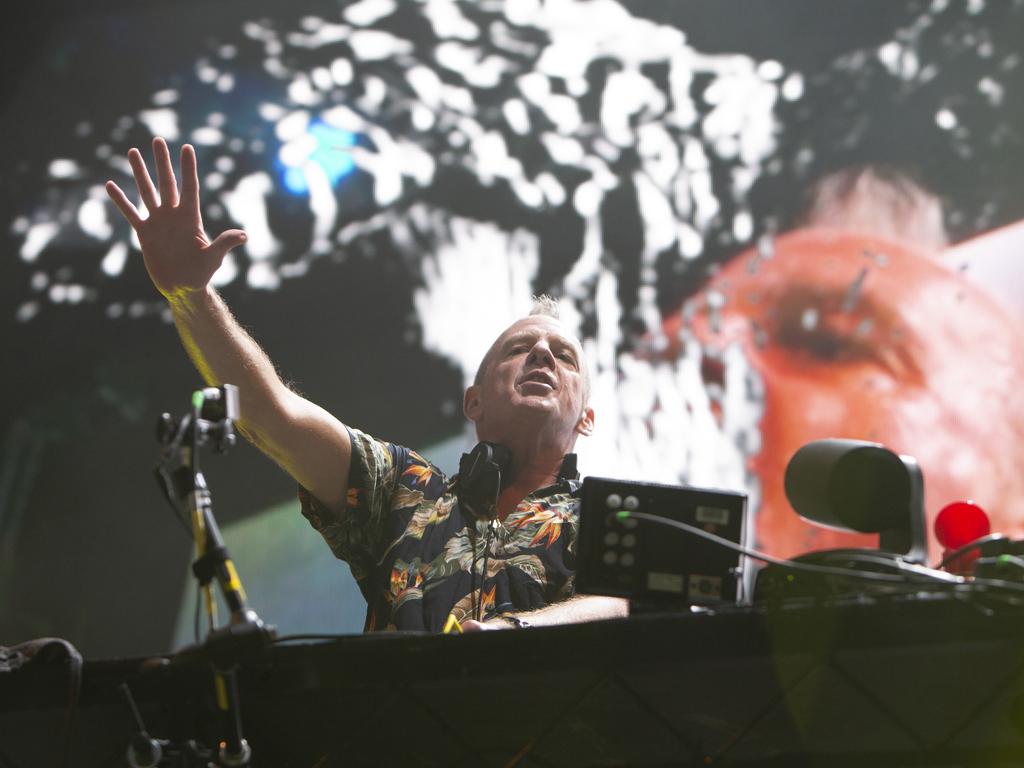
(890, 681)
(848, 658)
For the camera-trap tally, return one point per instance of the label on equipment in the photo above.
(704, 587)
(665, 582)
(714, 515)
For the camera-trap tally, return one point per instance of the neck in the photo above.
(534, 465)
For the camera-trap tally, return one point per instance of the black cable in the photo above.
(474, 597)
(763, 556)
(888, 563)
(979, 543)
(488, 542)
(905, 579)
(195, 617)
(184, 526)
(126, 692)
(174, 447)
(757, 554)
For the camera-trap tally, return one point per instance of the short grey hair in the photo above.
(545, 305)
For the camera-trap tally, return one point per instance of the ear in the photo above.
(471, 405)
(585, 426)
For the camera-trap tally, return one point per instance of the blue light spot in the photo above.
(295, 181)
(330, 154)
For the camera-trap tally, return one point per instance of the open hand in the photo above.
(179, 256)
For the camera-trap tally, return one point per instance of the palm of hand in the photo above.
(179, 257)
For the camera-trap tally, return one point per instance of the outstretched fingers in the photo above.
(189, 179)
(165, 173)
(124, 205)
(147, 192)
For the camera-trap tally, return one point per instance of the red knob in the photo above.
(961, 523)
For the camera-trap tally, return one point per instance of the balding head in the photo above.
(543, 306)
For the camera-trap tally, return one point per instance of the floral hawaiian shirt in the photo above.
(417, 559)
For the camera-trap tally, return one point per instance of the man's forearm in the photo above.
(577, 609)
(223, 352)
(309, 443)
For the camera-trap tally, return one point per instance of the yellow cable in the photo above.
(233, 581)
(211, 605)
(222, 691)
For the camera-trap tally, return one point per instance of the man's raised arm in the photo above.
(306, 440)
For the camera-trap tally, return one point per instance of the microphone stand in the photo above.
(211, 420)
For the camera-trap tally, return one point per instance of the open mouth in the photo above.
(539, 377)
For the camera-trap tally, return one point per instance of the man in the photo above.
(856, 330)
(422, 561)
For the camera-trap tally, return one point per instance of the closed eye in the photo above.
(820, 340)
(829, 337)
(824, 344)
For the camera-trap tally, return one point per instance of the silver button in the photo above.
(614, 501)
(627, 559)
(611, 538)
(632, 503)
(609, 557)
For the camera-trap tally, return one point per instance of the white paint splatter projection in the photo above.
(532, 103)
(500, 149)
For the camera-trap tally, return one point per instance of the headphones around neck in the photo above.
(484, 472)
(480, 479)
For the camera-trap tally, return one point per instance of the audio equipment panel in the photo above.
(652, 564)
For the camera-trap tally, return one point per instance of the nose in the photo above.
(541, 355)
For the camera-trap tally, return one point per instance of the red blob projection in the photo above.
(866, 338)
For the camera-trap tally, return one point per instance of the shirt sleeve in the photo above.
(355, 533)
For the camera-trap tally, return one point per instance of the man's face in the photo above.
(533, 379)
(864, 339)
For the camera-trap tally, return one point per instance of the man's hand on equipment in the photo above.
(179, 257)
(574, 610)
(472, 625)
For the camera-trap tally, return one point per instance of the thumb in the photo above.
(226, 241)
